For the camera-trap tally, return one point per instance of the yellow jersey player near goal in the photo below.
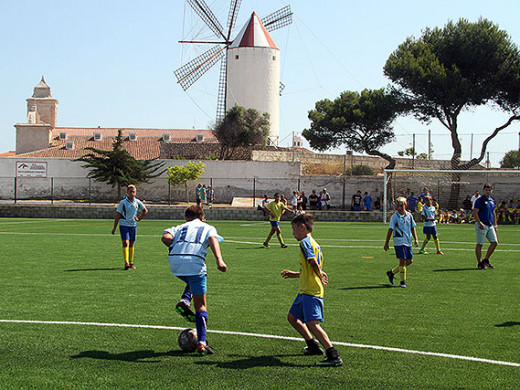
(275, 210)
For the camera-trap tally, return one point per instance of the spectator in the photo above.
(412, 202)
(367, 202)
(210, 196)
(313, 200)
(304, 201)
(294, 200)
(474, 198)
(467, 205)
(197, 194)
(425, 193)
(263, 206)
(325, 199)
(356, 201)
(320, 205)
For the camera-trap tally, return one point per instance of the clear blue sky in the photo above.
(110, 63)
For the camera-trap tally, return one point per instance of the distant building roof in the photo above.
(145, 145)
(8, 154)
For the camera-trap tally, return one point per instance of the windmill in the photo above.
(250, 63)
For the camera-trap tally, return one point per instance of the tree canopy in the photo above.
(241, 128)
(456, 68)
(360, 121)
(182, 174)
(511, 159)
(117, 167)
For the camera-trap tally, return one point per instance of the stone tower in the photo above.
(42, 112)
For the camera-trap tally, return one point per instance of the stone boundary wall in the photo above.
(170, 213)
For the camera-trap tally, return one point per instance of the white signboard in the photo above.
(31, 169)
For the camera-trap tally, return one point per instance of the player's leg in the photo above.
(131, 242)
(279, 237)
(428, 236)
(295, 318)
(125, 240)
(481, 233)
(183, 307)
(493, 242)
(437, 243)
(274, 225)
(198, 288)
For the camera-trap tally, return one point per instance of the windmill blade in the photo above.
(222, 91)
(281, 88)
(206, 14)
(234, 7)
(193, 70)
(278, 19)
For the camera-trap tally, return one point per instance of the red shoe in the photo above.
(204, 349)
(132, 266)
(439, 253)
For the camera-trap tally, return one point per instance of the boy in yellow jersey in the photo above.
(275, 210)
(306, 312)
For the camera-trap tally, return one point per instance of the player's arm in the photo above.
(414, 235)
(287, 274)
(215, 247)
(476, 218)
(388, 235)
(145, 211)
(167, 239)
(313, 262)
(287, 209)
(116, 221)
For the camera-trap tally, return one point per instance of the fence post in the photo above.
(89, 190)
(52, 190)
(298, 184)
(15, 189)
(169, 194)
(254, 191)
(344, 206)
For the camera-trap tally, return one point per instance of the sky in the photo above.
(111, 63)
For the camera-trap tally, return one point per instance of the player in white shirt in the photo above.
(188, 245)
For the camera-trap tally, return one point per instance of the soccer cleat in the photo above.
(184, 310)
(132, 266)
(422, 252)
(402, 284)
(337, 362)
(309, 351)
(481, 266)
(390, 275)
(127, 266)
(204, 349)
(284, 246)
(266, 244)
(440, 253)
(486, 264)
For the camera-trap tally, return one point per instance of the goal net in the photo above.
(448, 187)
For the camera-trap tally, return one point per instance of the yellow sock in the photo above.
(125, 254)
(402, 273)
(437, 244)
(396, 270)
(131, 254)
(424, 243)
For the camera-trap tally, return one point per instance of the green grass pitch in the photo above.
(71, 271)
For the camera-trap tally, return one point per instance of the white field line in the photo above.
(267, 336)
(37, 221)
(259, 243)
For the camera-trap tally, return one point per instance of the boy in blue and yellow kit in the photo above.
(275, 210)
(307, 310)
(402, 227)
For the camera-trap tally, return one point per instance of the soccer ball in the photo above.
(188, 340)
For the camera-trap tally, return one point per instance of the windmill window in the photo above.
(274, 58)
(236, 57)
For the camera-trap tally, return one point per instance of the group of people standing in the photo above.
(204, 195)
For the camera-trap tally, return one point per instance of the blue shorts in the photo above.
(307, 308)
(128, 232)
(275, 223)
(403, 252)
(197, 283)
(429, 230)
(356, 208)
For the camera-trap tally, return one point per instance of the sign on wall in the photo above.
(31, 169)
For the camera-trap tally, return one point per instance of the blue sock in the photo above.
(186, 295)
(201, 319)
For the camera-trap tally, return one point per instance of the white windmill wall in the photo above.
(253, 81)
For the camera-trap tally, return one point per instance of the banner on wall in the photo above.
(31, 169)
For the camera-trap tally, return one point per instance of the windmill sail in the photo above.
(206, 14)
(278, 19)
(193, 70)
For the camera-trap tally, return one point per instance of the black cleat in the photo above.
(481, 266)
(312, 351)
(184, 310)
(486, 264)
(337, 362)
(390, 275)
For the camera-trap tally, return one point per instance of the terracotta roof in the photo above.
(253, 34)
(8, 154)
(145, 146)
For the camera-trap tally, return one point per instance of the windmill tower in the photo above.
(250, 63)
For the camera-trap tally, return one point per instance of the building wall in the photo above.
(47, 109)
(30, 137)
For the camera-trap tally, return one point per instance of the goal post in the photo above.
(448, 187)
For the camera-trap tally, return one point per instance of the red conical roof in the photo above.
(253, 34)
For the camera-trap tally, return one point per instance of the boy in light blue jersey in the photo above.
(428, 214)
(127, 217)
(402, 227)
(188, 245)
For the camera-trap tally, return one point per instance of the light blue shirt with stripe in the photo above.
(189, 248)
(402, 228)
(429, 212)
(129, 210)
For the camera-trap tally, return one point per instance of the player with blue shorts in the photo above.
(188, 245)
(428, 215)
(275, 210)
(306, 312)
(127, 215)
(484, 213)
(402, 227)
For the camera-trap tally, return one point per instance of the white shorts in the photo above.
(488, 232)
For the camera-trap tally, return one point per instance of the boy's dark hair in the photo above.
(194, 212)
(304, 219)
(488, 185)
(276, 194)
